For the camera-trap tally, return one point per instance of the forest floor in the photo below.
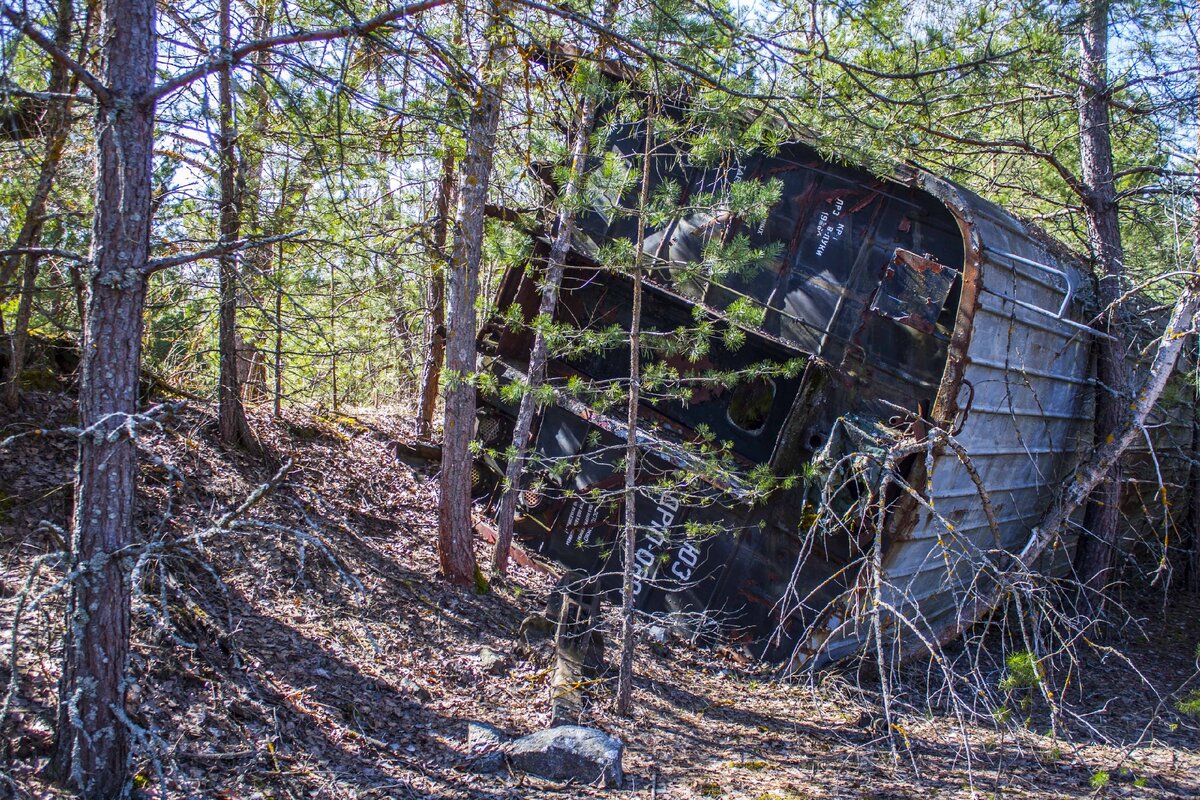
(312, 651)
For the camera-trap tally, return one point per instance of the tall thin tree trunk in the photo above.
(58, 126)
(435, 301)
(231, 413)
(20, 332)
(278, 402)
(454, 505)
(277, 286)
(630, 531)
(1096, 553)
(91, 745)
(78, 289)
(256, 265)
(1191, 567)
(536, 373)
(333, 353)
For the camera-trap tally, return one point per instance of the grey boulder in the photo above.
(492, 661)
(569, 752)
(485, 747)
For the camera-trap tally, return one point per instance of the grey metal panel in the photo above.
(1031, 395)
(924, 557)
(1028, 396)
(1024, 326)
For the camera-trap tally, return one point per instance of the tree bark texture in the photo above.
(1191, 567)
(1096, 552)
(231, 413)
(435, 317)
(91, 743)
(254, 215)
(629, 529)
(277, 402)
(57, 125)
(462, 286)
(536, 373)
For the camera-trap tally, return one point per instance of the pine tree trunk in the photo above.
(333, 353)
(277, 288)
(1096, 553)
(277, 405)
(58, 126)
(255, 219)
(629, 529)
(536, 373)
(91, 743)
(1191, 571)
(20, 332)
(454, 506)
(231, 413)
(435, 301)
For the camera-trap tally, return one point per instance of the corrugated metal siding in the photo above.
(1026, 426)
(1027, 397)
(1024, 395)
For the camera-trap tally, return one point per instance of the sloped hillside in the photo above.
(307, 648)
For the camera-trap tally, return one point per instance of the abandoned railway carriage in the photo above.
(910, 302)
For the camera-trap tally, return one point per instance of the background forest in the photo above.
(246, 247)
(341, 142)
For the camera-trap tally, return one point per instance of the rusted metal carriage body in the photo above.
(912, 303)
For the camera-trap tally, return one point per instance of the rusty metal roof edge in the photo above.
(968, 210)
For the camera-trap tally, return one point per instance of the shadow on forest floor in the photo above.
(340, 666)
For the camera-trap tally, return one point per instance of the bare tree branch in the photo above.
(21, 23)
(220, 250)
(239, 54)
(52, 252)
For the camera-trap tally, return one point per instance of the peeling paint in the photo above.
(912, 303)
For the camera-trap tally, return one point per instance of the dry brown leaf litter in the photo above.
(351, 675)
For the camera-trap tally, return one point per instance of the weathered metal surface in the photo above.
(913, 291)
(913, 303)
(1026, 425)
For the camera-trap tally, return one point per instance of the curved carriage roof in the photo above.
(1016, 392)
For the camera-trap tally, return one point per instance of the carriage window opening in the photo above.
(750, 405)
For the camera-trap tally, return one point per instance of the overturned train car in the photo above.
(911, 303)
